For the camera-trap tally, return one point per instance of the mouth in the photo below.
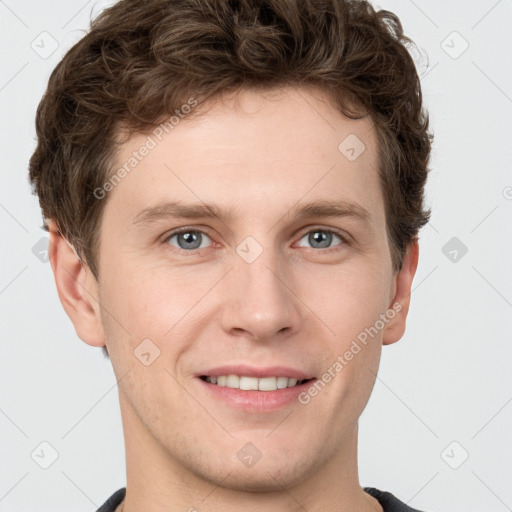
(254, 389)
(250, 383)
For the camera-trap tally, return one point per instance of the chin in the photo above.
(265, 476)
(263, 480)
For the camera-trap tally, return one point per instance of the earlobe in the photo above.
(395, 328)
(77, 289)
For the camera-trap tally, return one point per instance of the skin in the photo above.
(297, 305)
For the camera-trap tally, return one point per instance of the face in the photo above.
(248, 248)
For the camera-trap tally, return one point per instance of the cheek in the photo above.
(348, 298)
(351, 306)
(155, 303)
(148, 301)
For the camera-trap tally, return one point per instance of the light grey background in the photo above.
(443, 392)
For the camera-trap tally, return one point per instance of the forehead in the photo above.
(256, 149)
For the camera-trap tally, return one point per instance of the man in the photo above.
(233, 192)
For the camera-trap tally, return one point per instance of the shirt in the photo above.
(386, 499)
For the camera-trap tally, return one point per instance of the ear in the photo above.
(395, 328)
(77, 289)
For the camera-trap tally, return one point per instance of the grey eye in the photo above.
(321, 238)
(189, 240)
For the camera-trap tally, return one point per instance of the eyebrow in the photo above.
(180, 210)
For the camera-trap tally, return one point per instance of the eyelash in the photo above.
(344, 239)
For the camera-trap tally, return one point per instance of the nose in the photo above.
(258, 299)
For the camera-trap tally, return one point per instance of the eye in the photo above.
(322, 238)
(187, 239)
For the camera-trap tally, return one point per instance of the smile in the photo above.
(247, 383)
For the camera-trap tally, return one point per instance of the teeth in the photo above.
(233, 381)
(253, 383)
(248, 383)
(267, 384)
(282, 382)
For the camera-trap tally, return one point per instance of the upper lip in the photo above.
(252, 371)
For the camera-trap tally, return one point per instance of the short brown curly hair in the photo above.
(142, 59)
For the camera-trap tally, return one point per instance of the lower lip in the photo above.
(256, 401)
